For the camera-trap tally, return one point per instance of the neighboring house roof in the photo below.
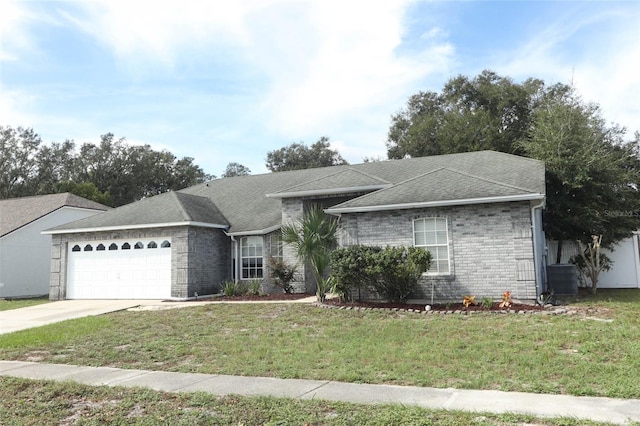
(18, 212)
(253, 204)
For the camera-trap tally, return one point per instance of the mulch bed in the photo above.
(252, 298)
(411, 307)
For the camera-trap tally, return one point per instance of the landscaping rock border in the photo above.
(546, 311)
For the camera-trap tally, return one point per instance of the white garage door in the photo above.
(119, 269)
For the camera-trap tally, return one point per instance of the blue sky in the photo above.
(225, 81)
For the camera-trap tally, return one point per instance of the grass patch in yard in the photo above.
(6, 304)
(31, 402)
(594, 352)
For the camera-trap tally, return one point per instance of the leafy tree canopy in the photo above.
(236, 169)
(486, 112)
(118, 173)
(592, 174)
(298, 156)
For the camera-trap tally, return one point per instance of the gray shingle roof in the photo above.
(438, 185)
(243, 205)
(343, 181)
(18, 212)
(160, 210)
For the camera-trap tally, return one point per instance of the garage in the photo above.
(119, 269)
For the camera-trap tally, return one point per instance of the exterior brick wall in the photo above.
(200, 257)
(292, 211)
(491, 247)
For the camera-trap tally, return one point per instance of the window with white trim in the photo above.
(251, 258)
(275, 245)
(431, 233)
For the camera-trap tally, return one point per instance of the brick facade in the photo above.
(491, 250)
(200, 258)
(491, 247)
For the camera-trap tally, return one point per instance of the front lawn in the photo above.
(6, 304)
(594, 352)
(30, 402)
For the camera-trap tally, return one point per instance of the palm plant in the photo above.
(313, 238)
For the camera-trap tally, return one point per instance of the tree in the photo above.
(298, 156)
(487, 112)
(592, 175)
(131, 172)
(121, 173)
(85, 190)
(235, 169)
(18, 161)
(313, 238)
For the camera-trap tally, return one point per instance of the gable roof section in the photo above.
(342, 182)
(439, 187)
(168, 209)
(249, 205)
(18, 212)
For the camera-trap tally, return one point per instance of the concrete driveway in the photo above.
(48, 313)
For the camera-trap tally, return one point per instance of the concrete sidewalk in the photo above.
(620, 411)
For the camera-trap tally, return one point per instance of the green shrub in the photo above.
(487, 302)
(282, 274)
(230, 288)
(392, 272)
(398, 271)
(241, 288)
(352, 268)
(254, 288)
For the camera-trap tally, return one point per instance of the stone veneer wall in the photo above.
(491, 247)
(199, 258)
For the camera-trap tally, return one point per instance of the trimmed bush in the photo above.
(392, 272)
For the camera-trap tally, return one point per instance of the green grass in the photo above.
(6, 304)
(592, 353)
(30, 402)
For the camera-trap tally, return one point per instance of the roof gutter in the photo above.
(440, 203)
(331, 191)
(128, 227)
(254, 232)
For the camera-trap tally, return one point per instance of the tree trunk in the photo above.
(592, 262)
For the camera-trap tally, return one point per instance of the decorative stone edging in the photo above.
(555, 311)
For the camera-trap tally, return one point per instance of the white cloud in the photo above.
(603, 69)
(13, 37)
(321, 62)
(12, 103)
(354, 65)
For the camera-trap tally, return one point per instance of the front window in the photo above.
(431, 233)
(251, 256)
(275, 245)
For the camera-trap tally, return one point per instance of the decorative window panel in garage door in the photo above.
(119, 269)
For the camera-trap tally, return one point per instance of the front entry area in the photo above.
(119, 269)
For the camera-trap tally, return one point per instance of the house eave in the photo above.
(129, 227)
(439, 203)
(331, 191)
(254, 232)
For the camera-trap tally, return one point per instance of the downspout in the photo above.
(537, 264)
(234, 265)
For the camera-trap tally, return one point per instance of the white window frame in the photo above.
(432, 248)
(252, 253)
(276, 246)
